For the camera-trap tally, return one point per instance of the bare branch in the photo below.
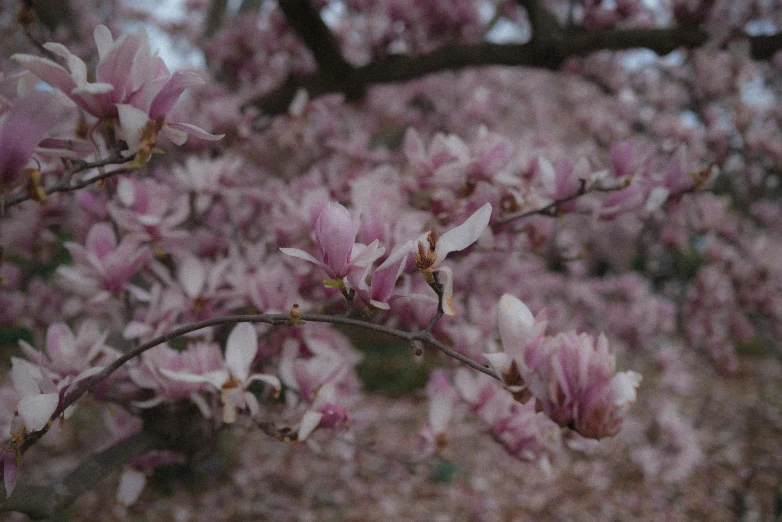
(551, 208)
(309, 26)
(214, 17)
(86, 385)
(399, 68)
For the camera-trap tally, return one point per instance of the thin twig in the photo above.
(65, 185)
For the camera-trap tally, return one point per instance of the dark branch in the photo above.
(764, 47)
(400, 68)
(44, 501)
(309, 26)
(214, 17)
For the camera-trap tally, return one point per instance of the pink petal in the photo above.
(132, 121)
(131, 484)
(171, 91)
(101, 240)
(9, 469)
(192, 130)
(309, 422)
(465, 234)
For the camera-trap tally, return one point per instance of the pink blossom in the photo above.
(572, 378)
(433, 249)
(70, 354)
(132, 85)
(335, 235)
(323, 413)
(22, 127)
(234, 377)
(102, 267)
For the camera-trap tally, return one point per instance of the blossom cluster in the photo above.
(541, 229)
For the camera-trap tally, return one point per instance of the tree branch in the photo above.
(309, 26)
(82, 387)
(214, 17)
(44, 501)
(399, 68)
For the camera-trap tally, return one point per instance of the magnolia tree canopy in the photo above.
(562, 217)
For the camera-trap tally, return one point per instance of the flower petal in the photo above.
(240, 350)
(465, 234)
(309, 422)
(36, 410)
(516, 325)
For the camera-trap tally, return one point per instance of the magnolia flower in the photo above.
(335, 236)
(234, 378)
(323, 413)
(132, 86)
(429, 258)
(38, 395)
(70, 354)
(571, 377)
(380, 290)
(102, 267)
(22, 127)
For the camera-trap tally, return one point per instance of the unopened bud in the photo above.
(295, 317)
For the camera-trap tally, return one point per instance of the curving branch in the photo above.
(82, 387)
(546, 53)
(552, 209)
(309, 26)
(45, 501)
(549, 46)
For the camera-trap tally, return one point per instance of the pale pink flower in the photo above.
(572, 378)
(70, 354)
(150, 373)
(38, 394)
(524, 432)
(22, 127)
(335, 236)
(382, 286)
(234, 377)
(102, 267)
(323, 413)
(132, 85)
(433, 249)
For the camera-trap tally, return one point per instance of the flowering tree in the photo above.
(518, 192)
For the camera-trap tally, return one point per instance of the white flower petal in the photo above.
(240, 350)
(216, 378)
(465, 234)
(36, 410)
(516, 325)
(309, 422)
(131, 484)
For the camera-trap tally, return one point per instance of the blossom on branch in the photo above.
(132, 87)
(335, 236)
(572, 378)
(234, 377)
(22, 127)
(433, 249)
